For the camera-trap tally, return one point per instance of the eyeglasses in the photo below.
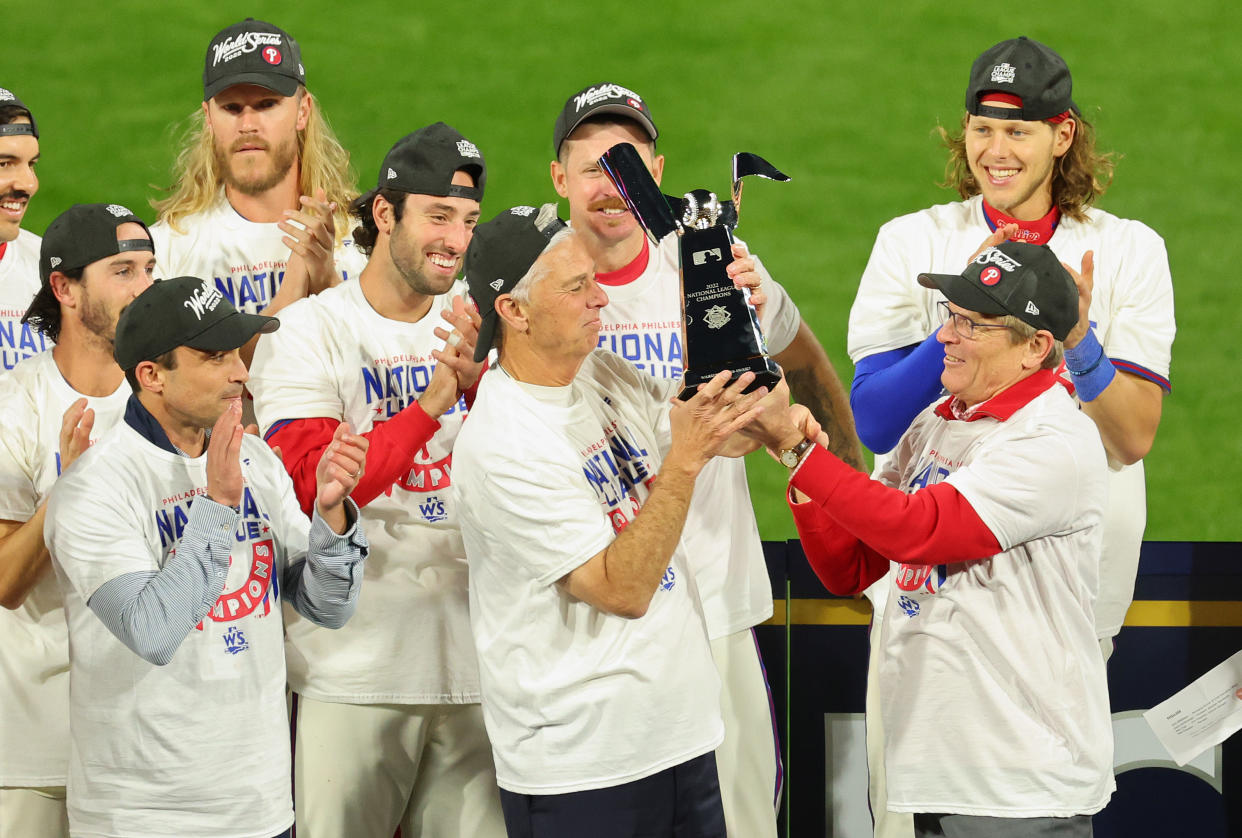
(963, 325)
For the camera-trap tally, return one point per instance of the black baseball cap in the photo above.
(602, 98)
(253, 52)
(423, 163)
(185, 311)
(86, 233)
(1018, 278)
(1028, 70)
(79, 236)
(8, 99)
(501, 252)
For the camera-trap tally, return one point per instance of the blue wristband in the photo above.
(1090, 369)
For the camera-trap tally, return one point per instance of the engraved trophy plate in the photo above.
(722, 329)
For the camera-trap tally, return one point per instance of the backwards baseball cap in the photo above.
(501, 252)
(253, 52)
(80, 235)
(8, 99)
(185, 311)
(1025, 280)
(602, 98)
(423, 163)
(86, 233)
(1024, 73)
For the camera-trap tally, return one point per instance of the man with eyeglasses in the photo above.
(989, 516)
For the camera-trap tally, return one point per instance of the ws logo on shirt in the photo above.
(432, 509)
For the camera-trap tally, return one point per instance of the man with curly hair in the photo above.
(1026, 166)
(262, 185)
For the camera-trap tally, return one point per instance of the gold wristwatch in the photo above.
(790, 457)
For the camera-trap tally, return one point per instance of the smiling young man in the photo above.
(1027, 166)
(19, 249)
(176, 539)
(388, 723)
(989, 518)
(95, 259)
(262, 185)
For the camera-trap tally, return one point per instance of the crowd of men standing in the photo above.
(509, 579)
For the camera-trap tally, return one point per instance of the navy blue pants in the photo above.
(679, 802)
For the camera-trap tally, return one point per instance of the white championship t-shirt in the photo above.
(409, 641)
(575, 698)
(19, 282)
(1131, 307)
(34, 643)
(992, 686)
(199, 746)
(245, 259)
(642, 323)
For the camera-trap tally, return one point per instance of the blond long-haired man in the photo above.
(262, 185)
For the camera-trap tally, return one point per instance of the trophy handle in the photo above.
(651, 208)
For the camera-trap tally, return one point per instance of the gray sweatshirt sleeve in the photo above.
(323, 585)
(151, 612)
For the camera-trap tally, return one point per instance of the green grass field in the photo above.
(844, 99)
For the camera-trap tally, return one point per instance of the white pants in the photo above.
(747, 760)
(27, 813)
(362, 770)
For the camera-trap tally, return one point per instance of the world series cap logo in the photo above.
(242, 43)
(604, 92)
(118, 210)
(6, 96)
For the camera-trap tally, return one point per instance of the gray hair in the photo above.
(1020, 332)
(539, 270)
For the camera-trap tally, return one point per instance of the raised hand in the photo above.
(1002, 233)
(224, 477)
(75, 432)
(340, 468)
(458, 352)
(703, 424)
(1085, 280)
(310, 234)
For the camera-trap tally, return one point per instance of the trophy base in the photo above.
(767, 374)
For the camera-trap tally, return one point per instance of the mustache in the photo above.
(607, 203)
(15, 195)
(242, 142)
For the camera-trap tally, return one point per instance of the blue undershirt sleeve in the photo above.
(324, 585)
(891, 388)
(151, 612)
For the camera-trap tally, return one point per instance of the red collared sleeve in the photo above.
(855, 525)
(393, 446)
